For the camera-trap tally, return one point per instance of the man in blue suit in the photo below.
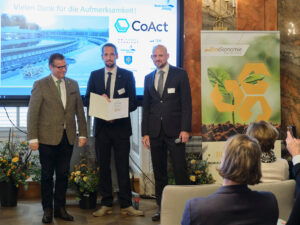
(167, 115)
(113, 82)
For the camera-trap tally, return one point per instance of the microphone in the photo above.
(178, 140)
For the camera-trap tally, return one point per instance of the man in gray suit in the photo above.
(167, 115)
(55, 102)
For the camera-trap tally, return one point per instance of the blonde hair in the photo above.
(265, 133)
(241, 160)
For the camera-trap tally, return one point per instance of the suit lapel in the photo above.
(117, 82)
(68, 91)
(152, 84)
(168, 81)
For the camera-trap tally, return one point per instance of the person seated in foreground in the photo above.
(234, 202)
(273, 169)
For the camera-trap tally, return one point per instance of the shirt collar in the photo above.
(113, 71)
(55, 78)
(165, 69)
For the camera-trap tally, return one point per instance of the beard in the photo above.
(110, 65)
(160, 65)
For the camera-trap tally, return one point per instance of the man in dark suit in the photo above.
(293, 146)
(55, 102)
(167, 114)
(113, 82)
(234, 202)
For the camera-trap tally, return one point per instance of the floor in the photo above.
(29, 212)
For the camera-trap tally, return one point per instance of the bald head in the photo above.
(160, 56)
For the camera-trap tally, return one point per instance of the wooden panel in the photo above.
(192, 28)
(270, 14)
(250, 15)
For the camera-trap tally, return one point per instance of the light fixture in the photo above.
(221, 10)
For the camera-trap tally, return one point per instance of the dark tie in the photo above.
(58, 87)
(108, 84)
(160, 85)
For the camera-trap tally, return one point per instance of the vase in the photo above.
(88, 200)
(9, 194)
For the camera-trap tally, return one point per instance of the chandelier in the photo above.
(221, 10)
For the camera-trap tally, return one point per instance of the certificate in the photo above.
(115, 109)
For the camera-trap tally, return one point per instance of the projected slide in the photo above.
(33, 30)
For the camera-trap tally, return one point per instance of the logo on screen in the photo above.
(128, 59)
(122, 25)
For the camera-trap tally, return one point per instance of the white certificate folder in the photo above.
(115, 109)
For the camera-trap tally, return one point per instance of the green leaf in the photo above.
(253, 78)
(218, 76)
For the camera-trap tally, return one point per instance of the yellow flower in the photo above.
(76, 179)
(197, 172)
(72, 174)
(84, 179)
(83, 165)
(15, 159)
(77, 173)
(193, 178)
(193, 161)
(23, 143)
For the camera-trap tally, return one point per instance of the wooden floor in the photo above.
(29, 212)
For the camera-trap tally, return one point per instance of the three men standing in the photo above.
(113, 82)
(55, 102)
(166, 123)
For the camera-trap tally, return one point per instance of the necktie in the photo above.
(58, 87)
(108, 84)
(160, 85)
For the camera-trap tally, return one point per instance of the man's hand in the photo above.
(292, 144)
(146, 141)
(81, 142)
(184, 136)
(34, 146)
(106, 97)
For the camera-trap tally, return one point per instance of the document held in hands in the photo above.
(115, 109)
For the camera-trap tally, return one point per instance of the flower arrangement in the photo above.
(198, 169)
(84, 179)
(14, 161)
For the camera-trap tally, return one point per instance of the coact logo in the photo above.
(122, 25)
(137, 26)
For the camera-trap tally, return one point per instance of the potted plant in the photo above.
(85, 179)
(14, 169)
(197, 169)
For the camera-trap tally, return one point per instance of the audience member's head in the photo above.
(265, 133)
(241, 160)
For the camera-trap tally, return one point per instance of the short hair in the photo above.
(241, 160)
(265, 133)
(54, 57)
(159, 45)
(109, 45)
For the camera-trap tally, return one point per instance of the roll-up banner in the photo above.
(240, 80)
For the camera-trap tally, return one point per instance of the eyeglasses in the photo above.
(61, 67)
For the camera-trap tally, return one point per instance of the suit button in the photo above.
(161, 101)
(161, 118)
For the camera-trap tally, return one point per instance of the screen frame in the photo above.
(23, 100)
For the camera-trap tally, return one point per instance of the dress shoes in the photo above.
(156, 216)
(47, 217)
(63, 214)
(104, 210)
(130, 211)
